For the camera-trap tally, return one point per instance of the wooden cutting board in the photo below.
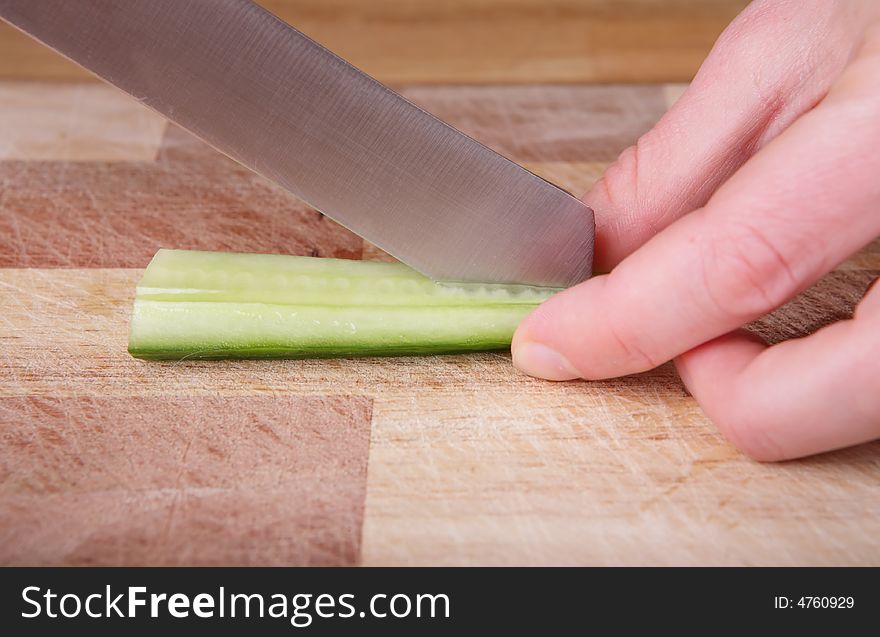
(438, 460)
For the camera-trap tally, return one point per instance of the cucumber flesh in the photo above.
(207, 305)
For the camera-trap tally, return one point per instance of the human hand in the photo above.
(763, 177)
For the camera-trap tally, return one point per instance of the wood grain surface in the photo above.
(477, 41)
(438, 460)
(170, 480)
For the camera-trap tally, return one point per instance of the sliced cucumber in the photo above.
(224, 305)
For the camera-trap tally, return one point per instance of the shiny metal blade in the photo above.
(280, 104)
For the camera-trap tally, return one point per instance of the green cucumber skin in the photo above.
(187, 354)
(186, 275)
(207, 310)
(176, 330)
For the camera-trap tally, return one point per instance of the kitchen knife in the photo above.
(272, 99)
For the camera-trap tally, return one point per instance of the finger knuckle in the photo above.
(758, 46)
(761, 22)
(631, 188)
(745, 274)
(638, 358)
(621, 180)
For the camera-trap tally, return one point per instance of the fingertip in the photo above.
(531, 352)
(553, 341)
(540, 361)
(592, 328)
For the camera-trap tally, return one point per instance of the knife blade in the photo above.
(267, 96)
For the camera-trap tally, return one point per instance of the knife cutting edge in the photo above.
(264, 94)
